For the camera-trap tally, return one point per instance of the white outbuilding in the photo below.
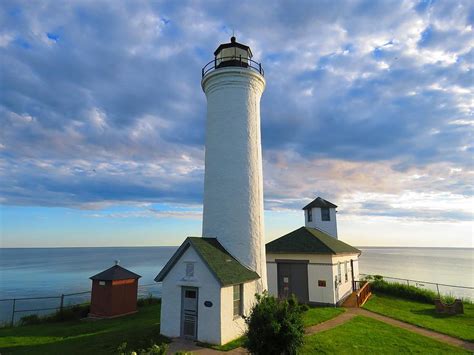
(310, 262)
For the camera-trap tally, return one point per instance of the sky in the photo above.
(368, 104)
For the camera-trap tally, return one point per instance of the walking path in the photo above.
(413, 328)
(180, 344)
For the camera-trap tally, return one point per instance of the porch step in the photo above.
(351, 301)
(358, 297)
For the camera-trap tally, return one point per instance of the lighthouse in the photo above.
(233, 182)
(210, 282)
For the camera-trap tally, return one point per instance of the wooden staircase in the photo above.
(358, 297)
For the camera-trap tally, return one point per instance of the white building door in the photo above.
(189, 312)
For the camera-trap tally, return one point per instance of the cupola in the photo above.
(321, 214)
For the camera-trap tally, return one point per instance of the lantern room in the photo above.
(233, 54)
(114, 293)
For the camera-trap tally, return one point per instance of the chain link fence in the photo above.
(457, 291)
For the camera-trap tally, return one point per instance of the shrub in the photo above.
(304, 307)
(75, 312)
(29, 320)
(154, 349)
(275, 326)
(147, 301)
(404, 291)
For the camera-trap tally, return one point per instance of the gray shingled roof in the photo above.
(116, 272)
(227, 270)
(306, 240)
(319, 202)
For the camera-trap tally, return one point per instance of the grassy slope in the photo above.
(318, 315)
(424, 315)
(84, 337)
(363, 335)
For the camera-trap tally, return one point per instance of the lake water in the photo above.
(53, 271)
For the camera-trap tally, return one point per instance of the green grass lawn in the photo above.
(362, 335)
(316, 315)
(312, 316)
(85, 337)
(424, 315)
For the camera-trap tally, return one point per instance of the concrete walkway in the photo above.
(187, 345)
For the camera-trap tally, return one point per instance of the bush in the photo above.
(29, 320)
(275, 326)
(404, 291)
(147, 301)
(75, 312)
(152, 350)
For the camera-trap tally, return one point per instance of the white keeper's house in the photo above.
(310, 262)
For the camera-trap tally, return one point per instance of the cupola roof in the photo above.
(319, 202)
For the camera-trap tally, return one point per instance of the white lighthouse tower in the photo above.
(209, 284)
(233, 183)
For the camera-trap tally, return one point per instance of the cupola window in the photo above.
(325, 216)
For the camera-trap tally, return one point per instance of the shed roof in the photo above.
(309, 241)
(227, 270)
(319, 202)
(115, 272)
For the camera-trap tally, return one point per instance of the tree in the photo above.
(275, 326)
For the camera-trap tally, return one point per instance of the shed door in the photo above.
(293, 279)
(189, 312)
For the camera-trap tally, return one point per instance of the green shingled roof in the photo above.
(309, 240)
(227, 270)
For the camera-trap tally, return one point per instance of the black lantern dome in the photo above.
(232, 54)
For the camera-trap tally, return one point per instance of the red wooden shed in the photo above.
(114, 292)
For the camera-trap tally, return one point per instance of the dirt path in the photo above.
(187, 345)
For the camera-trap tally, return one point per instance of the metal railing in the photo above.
(434, 286)
(232, 61)
(75, 299)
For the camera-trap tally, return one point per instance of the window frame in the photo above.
(240, 311)
(189, 266)
(339, 273)
(346, 268)
(310, 214)
(325, 214)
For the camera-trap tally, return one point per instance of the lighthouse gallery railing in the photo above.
(218, 63)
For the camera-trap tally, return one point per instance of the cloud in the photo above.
(102, 104)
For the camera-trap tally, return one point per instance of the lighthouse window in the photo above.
(310, 215)
(325, 214)
(238, 309)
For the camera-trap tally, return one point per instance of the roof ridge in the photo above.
(322, 241)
